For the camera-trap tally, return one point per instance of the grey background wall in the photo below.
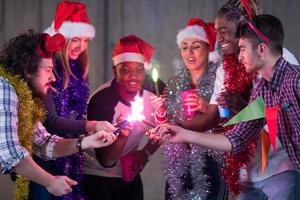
(157, 21)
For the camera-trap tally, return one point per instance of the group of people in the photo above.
(46, 111)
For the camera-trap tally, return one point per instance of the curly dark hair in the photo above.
(20, 54)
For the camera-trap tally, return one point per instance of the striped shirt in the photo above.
(284, 90)
(11, 151)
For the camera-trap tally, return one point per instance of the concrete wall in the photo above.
(157, 21)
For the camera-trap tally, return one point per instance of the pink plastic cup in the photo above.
(126, 165)
(188, 114)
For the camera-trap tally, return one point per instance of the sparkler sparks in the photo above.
(137, 108)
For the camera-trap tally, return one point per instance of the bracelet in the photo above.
(79, 142)
(161, 114)
(160, 120)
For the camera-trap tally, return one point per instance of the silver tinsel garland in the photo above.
(183, 159)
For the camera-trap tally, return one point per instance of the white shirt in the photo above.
(117, 107)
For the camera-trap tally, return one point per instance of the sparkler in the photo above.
(155, 78)
(137, 108)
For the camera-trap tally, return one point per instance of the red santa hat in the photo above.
(71, 20)
(132, 49)
(198, 29)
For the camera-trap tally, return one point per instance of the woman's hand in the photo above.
(60, 185)
(170, 133)
(196, 103)
(104, 126)
(94, 126)
(153, 137)
(98, 140)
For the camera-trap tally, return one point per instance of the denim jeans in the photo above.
(282, 186)
(37, 191)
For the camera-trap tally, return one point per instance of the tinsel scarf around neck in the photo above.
(237, 80)
(71, 103)
(185, 165)
(30, 111)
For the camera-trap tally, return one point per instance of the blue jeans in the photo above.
(297, 194)
(281, 186)
(38, 192)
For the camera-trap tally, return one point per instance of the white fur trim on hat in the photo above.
(214, 56)
(128, 57)
(73, 29)
(148, 66)
(194, 31)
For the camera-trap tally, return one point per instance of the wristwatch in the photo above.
(79, 142)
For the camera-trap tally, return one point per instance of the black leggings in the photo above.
(107, 188)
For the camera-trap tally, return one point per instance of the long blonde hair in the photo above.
(64, 59)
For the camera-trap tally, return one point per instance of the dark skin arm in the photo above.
(142, 157)
(109, 155)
